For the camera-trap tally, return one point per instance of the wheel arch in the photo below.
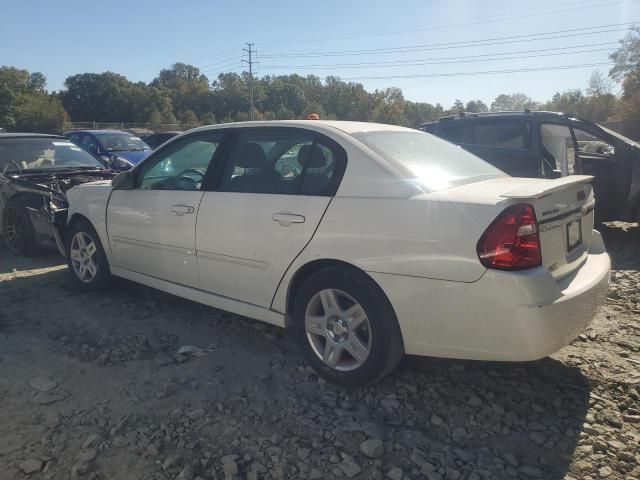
(79, 217)
(312, 267)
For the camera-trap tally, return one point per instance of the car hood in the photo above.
(134, 156)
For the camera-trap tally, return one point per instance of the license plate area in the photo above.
(574, 234)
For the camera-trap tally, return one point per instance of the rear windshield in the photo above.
(433, 163)
(121, 142)
(27, 154)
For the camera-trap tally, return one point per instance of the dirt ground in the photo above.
(94, 386)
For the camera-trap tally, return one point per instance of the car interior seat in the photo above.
(316, 177)
(261, 177)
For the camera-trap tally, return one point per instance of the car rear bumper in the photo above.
(510, 316)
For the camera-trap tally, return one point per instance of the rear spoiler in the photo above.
(545, 187)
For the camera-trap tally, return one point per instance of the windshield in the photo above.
(121, 142)
(433, 163)
(23, 154)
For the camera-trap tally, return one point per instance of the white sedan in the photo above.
(369, 240)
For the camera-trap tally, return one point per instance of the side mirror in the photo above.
(123, 181)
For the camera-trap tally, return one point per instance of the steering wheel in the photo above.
(182, 176)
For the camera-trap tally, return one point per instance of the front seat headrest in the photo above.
(250, 155)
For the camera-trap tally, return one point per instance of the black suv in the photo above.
(550, 145)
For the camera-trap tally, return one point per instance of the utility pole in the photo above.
(250, 51)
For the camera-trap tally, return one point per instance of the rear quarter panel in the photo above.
(416, 237)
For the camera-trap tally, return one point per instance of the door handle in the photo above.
(182, 209)
(286, 219)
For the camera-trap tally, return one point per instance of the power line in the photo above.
(235, 57)
(492, 19)
(221, 68)
(463, 44)
(486, 72)
(448, 60)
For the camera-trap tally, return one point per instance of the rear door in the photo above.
(268, 201)
(152, 228)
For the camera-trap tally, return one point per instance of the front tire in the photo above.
(86, 259)
(17, 230)
(346, 327)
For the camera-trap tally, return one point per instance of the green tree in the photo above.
(187, 88)
(626, 63)
(513, 102)
(458, 107)
(418, 113)
(25, 105)
(41, 113)
(476, 106)
(390, 107)
(189, 118)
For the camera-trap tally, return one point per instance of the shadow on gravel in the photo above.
(532, 412)
(46, 258)
(622, 241)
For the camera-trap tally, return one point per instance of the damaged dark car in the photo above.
(36, 171)
(550, 145)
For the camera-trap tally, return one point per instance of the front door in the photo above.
(152, 227)
(272, 194)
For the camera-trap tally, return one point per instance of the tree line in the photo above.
(183, 94)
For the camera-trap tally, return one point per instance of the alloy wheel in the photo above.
(84, 257)
(338, 329)
(14, 228)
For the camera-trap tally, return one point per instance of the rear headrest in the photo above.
(250, 155)
(311, 156)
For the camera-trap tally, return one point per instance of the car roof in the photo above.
(507, 114)
(97, 131)
(318, 125)
(30, 135)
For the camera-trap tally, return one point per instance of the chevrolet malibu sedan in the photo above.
(369, 241)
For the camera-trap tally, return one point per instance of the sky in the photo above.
(435, 51)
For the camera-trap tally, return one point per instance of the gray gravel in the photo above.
(92, 386)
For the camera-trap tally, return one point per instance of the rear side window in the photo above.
(502, 134)
(429, 161)
(458, 133)
(283, 161)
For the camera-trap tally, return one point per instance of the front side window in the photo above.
(588, 143)
(89, 143)
(502, 134)
(557, 148)
(285, 161)
(181, 166)
(428, 160)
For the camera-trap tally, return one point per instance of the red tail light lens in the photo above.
(512, 242)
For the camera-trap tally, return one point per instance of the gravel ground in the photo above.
(137, 384)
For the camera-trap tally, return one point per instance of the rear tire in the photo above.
(86, 259)
(346, 327)
(17, 230)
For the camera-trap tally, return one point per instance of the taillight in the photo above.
(511, 242)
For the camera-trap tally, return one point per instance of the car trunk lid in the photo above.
(565, 211)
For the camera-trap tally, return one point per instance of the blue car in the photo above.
(115, 149)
